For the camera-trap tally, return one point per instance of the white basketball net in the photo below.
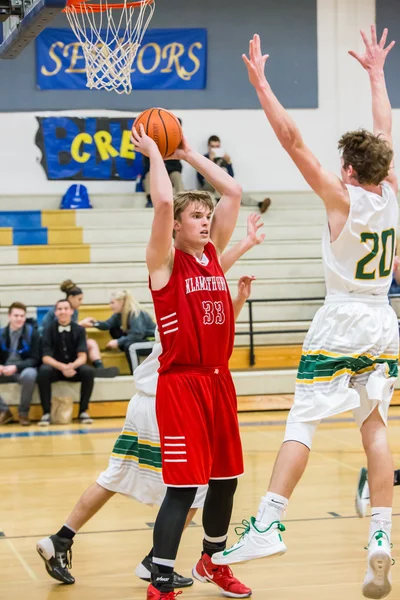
(110, 40)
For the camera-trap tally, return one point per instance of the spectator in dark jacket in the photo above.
(65, 358)
(19, 359)
(128, 325)
(220, 157)
(223, 160)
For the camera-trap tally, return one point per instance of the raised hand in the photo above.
(142, 141)
(375, 53)
(253, 225)
(244, 287)
(182, 152)
(256, 64)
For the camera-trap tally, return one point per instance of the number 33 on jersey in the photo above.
(194, 312)
(360, 261)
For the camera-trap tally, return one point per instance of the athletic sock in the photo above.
(272, 508)
(213, 545)
(98, 364)
(381, 519)
(66, 532)
(397, 477)
(150, 554)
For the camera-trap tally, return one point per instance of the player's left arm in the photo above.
(253, 238)
(244, 291)
(227, 210)
(373, 61)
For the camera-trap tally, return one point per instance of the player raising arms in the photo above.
(196, 399)
(349, 358)
(134, 468)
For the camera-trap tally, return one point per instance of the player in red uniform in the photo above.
(196, 398)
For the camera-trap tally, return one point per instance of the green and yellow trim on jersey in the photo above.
(322, 366)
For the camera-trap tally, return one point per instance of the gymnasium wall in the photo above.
(343, 103)
(288, 25)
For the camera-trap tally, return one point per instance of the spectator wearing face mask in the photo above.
(19, 360)
(217, 154)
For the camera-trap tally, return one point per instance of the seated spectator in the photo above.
(128, 325)
(174, 168)
(74, 295)
(64, 352)
(223, 160)
(19, 359)
(220, 157)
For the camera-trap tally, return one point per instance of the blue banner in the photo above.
(95, 148)
(168, 59)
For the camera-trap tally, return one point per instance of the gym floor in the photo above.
(43, 474)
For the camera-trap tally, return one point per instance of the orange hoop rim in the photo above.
(82, 5)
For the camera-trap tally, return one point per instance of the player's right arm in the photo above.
(324, 183)
(373, 61)
(159, 251)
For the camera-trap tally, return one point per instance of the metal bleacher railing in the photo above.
(251, 333)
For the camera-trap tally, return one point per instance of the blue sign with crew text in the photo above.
(168, 59)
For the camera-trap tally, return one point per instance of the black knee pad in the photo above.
(181, 496)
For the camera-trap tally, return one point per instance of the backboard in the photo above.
(22, 20)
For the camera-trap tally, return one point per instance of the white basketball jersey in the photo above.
(360, 261)
(146, 374)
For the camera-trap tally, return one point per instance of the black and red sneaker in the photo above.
(221, 576)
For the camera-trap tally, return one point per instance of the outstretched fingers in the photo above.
(373, 35)
(246, 61)
(356, 56)
(365, 39)
(383, 38)
(257, 43)
(388, 49)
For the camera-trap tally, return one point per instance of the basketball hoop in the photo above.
(110, 35)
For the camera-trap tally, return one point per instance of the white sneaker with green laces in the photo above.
(253, 543)
(377, 582)
(362, 494)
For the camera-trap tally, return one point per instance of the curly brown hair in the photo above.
(370, 155)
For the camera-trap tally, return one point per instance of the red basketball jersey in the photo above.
(194, 312)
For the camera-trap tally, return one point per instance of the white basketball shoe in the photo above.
(253, 543)
(362, 493)
(377, 582)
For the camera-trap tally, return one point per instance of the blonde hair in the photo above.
(130, 305)
(182, 201)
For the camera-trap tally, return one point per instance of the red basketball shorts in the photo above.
(199, 429)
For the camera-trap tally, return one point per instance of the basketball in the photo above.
(163, 127)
